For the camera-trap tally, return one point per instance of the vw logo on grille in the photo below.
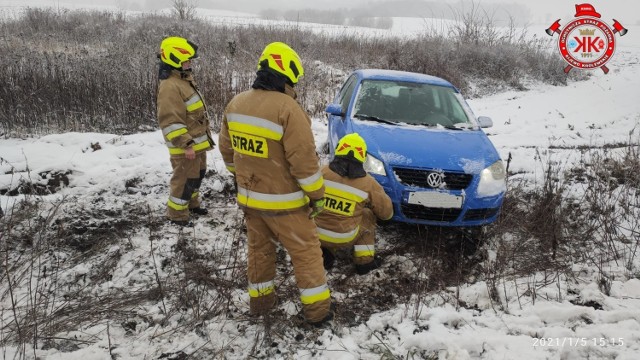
(434, 179)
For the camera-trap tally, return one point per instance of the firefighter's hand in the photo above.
(189, 153)
(316, 207)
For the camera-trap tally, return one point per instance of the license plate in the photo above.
(435, 199)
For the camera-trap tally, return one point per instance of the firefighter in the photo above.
(184, 122)
(266, 141)
(353, 201)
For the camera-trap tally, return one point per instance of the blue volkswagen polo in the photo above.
(425, 146)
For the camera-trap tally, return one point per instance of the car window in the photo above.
(345, 93)
(410, 102)
(369, 98)
(465, 106)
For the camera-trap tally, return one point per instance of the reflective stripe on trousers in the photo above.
(313, 295)
(261, 289)
(363, 250)
(178, 204)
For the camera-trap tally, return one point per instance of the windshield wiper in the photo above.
(452, 127)
(459, 126)
(374, 118)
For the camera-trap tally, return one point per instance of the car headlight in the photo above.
(492, 180)
(374, 166)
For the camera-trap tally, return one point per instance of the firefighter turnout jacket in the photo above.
(182, 114)
(266, 140)
(348, 203)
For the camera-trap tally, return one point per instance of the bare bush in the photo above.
(609, 209)
(58, 261)
(509, 55)
(184, 9)
(97, 71)
(583, 213)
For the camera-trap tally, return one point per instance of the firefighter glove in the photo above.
(316, 207)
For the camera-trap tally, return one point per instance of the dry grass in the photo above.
(543, 228)
(96, 71)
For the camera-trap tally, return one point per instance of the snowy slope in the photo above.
(602, 110)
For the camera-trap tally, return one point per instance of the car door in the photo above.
(339, 125)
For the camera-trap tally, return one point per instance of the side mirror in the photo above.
(485, 122)
(334, 109)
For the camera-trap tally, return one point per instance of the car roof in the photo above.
(381, 74)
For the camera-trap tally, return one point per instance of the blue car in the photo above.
(425, 146)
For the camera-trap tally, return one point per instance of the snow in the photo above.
(472, 166)
(601, 110)
(545, 121)
(395, 158)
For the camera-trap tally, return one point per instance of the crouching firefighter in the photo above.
(353, 201)
(266, 141)
(184, 121)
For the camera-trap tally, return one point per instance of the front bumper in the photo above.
(474, 211)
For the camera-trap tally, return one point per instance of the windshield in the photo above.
(411, 103)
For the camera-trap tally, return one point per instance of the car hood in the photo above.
(467, 151)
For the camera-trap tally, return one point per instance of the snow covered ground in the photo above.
(133, 170)
(601, 110)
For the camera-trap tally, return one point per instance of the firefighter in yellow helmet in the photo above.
(184, 122)
(266, 141)
(353, 201)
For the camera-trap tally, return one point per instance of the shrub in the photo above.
(96, 70)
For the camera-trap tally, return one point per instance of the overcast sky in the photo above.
(542, 11)
(626, 11)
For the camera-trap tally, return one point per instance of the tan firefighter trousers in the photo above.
(185, 185)
(297, 233)
(363, 244)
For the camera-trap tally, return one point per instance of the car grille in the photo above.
(480, 214)
(418, 178)
(419, 212)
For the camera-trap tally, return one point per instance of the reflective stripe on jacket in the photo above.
(182, 115)
(256, 200)
(345, 199)
(266, 140)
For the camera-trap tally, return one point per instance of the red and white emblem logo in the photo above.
(587, 42)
